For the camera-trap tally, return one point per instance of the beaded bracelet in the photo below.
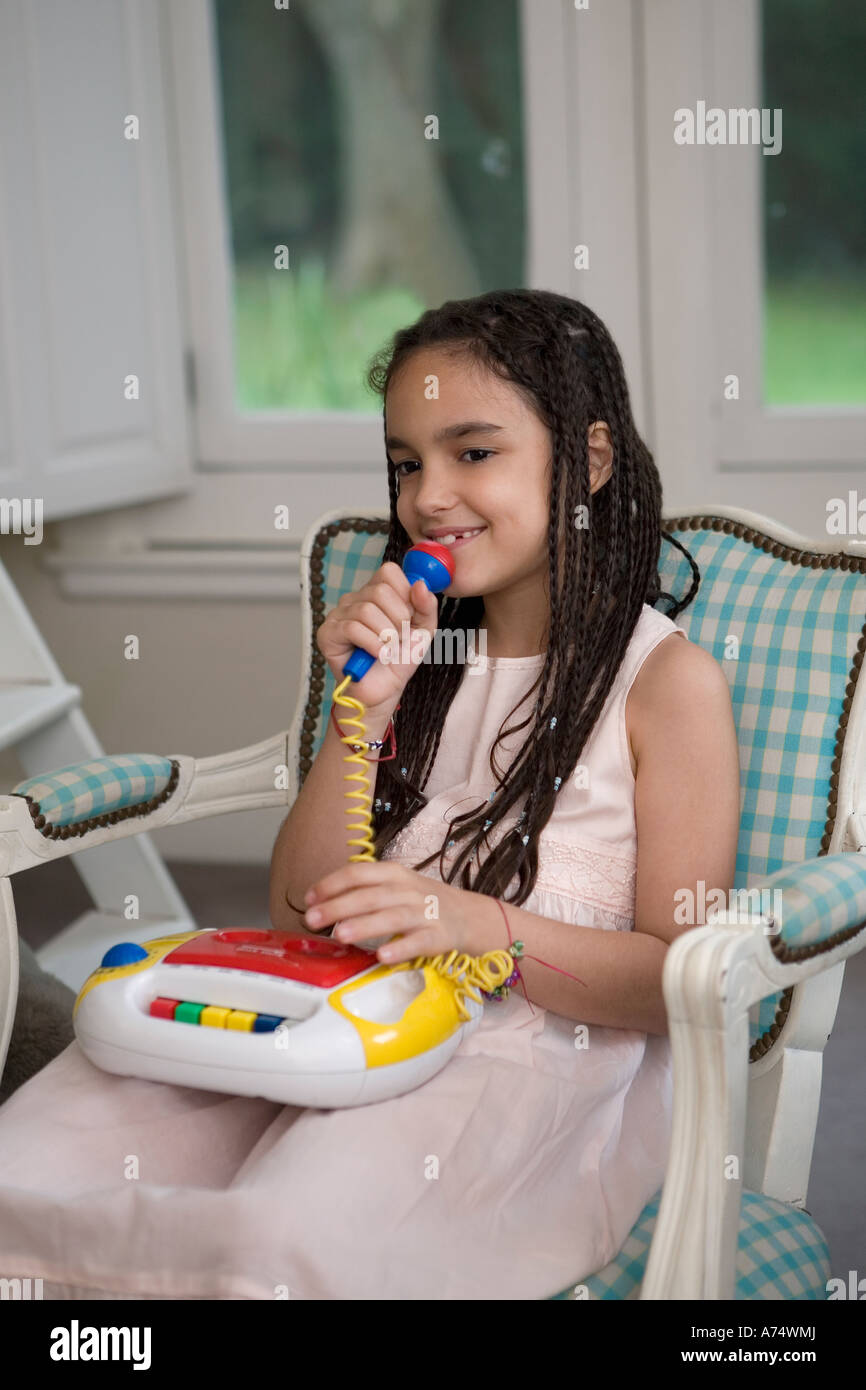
(517, 949)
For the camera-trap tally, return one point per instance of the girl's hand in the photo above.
(373, 613)
(371, 898)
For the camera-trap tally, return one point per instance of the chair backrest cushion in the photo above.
(784, 626)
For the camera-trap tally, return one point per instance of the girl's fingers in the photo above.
(363, 906)
(326, 911)
(394, 952)
(407, 947)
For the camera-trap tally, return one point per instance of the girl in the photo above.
(520, 1168)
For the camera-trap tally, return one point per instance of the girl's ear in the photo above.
(600, 455)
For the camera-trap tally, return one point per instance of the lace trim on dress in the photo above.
(604, 879)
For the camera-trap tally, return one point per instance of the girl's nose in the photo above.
(435, 497)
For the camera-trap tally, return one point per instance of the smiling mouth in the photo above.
(453, 540)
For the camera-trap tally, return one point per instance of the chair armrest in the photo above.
(110, 797)
(712, 976)
(811, 906)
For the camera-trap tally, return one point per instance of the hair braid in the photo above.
(560, 356)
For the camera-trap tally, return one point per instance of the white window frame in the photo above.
(563, 84)
(582, 78)
(809, 437)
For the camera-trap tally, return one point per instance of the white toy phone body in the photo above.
(291, 1018)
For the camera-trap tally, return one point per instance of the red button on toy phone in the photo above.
(313, 960)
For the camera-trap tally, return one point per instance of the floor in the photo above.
(220, 896)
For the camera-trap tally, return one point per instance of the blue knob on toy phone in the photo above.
(428, 561)
(124, 953)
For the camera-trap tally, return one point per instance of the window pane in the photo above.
(814, 69)
(327, 109)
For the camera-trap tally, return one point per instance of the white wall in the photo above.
(213, 676)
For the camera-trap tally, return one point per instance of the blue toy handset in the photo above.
(428, 561)
(435, 565)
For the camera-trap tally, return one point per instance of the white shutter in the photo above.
(88, 264)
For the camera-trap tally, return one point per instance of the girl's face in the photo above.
(475, 456)
(470, 453)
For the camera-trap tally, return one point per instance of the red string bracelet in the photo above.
(516, 951)
(379, 743)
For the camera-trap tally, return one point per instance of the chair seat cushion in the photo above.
(102, 787)
(781, 1254)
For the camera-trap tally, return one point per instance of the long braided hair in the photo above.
(562, 359)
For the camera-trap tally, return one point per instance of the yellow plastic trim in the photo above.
(430, 1018)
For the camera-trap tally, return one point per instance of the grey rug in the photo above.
(43, 1023)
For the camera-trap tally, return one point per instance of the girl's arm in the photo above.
(622, 969)
(687, 812)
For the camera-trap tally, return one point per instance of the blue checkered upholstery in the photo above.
(785, 627)
(350, 559)
(820, 900)
(781, 1254)
(796, 630)
(103, 785)
(786, 635)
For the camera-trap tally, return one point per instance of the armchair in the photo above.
(751, 996)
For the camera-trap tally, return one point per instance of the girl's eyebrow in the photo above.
(449, 432)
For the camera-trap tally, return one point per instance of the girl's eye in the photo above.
(405, 462)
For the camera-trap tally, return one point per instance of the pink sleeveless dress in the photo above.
(519, 1169)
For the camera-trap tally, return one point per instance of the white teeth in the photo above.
(458, 535)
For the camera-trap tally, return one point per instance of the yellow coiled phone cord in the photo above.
(467, 973)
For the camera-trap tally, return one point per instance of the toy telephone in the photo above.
(298, 1019)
